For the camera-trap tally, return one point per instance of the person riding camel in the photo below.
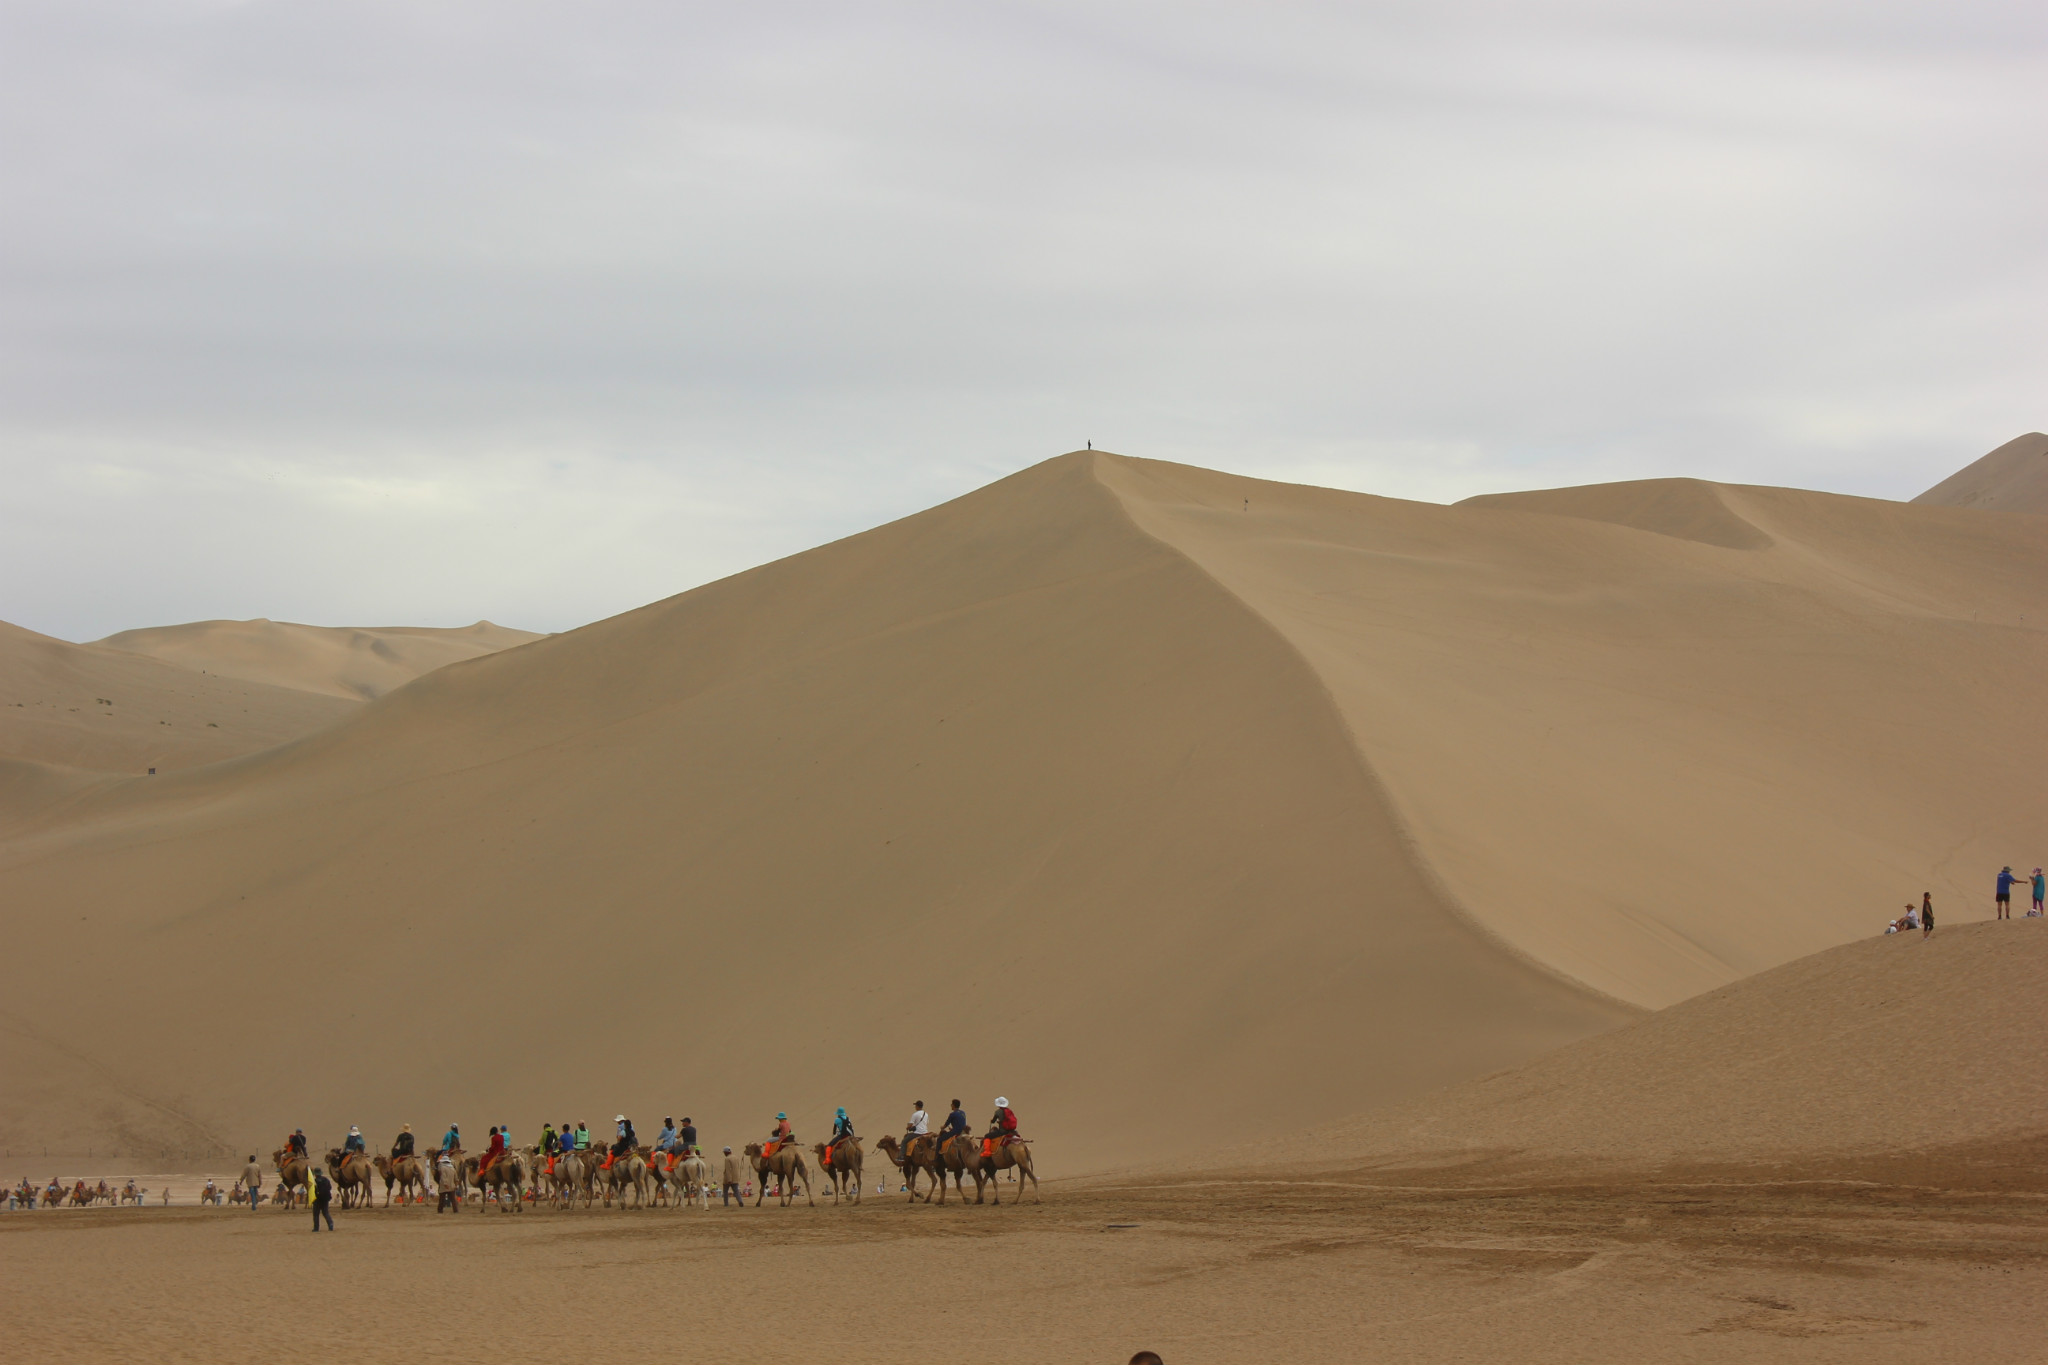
(548, 1141)
(353, 1142)
(667, 1141)
(401, 1146)
(582, 1137)
(451, 1141)
(919, 1125)
(295, 1145)
(1001, 1128)
(492, 1152)
(686, 1138)
(955, 1124)
(842, 1127)
(778, 1135)
(627, 1141)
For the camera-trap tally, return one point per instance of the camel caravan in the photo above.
(566, 1171)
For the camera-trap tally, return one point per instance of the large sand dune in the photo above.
(2012, 478)
(1164, 801)
(359, 663)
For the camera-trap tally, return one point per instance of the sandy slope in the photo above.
(1159, 800)
(359, 663)
(1896, 1046)
(103, 710)
(2012, 478)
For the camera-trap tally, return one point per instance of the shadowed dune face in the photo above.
(336, 661)
(2012, 478)
(1654, 762)
(1174, 806)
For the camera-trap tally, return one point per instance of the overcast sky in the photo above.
(364, 313)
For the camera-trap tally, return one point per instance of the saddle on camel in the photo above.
(1002, 1129)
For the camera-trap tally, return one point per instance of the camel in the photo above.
(294, 1177)
(680, 1178)
(575, 1173)
(352, 1175)
(131, 1193)
(787, 1166)
(1016, 1152)
(919, 1155)
(405, 1172)
(960, 1156)
(628, 1171)
(505, 1180)
(840, 1162)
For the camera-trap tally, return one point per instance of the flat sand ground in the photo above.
(1320, 1269)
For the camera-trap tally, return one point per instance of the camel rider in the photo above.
(955, 1124)
(1001, 1128)
(492, 1152)
(779, 1134)
(401, 1146)
(625, 1142)
(919, 1125)
(296, 1143)
(582, 1137)
(451, 1141)
(842, 1127)
(687, 1138)
(548, 1141)
(353, 1142)
(667, 1141)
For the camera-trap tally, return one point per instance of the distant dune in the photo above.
(1163, 801)
(96, 709)
(2012, 478)
(360, 664)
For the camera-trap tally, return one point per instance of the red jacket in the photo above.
(497, 1147)
(1009, 1120)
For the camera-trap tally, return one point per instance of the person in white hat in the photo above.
(1003, 1126)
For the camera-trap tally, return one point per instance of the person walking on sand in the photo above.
(323, 1192)
(2005, 881)
(1926, 913)
(252, 1176)
(729, 1181)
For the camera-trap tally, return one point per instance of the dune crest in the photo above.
(359, 663)
(2012, 478)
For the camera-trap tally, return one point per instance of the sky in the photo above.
(418, 313)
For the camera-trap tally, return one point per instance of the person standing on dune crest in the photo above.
(1926, 913)
(2005, 881)
(2040, 890)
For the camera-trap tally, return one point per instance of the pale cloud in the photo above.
(386, 312)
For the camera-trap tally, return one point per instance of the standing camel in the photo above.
(294, 1174)
(407, 1173)
(352, 1175)
(919, 1155)
(505, 1180)
(960, 1156)
(628, 1171)
(840, 1162)
(1015, 1152)
(787, 1165)
(575, 1174)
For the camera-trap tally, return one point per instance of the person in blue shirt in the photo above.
(2005, 881)
(955, 1124)
(667, 1141)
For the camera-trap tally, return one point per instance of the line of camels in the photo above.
(649, 1178)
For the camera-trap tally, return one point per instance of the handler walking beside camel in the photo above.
(252, 1176)
(323, 1192)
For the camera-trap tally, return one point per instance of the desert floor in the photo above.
(1387, 1266)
